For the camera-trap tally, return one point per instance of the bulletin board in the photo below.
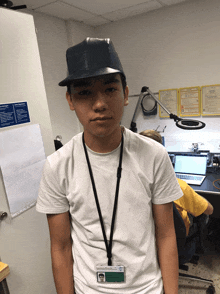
(169, 99)
(189, 101)
(210, 97)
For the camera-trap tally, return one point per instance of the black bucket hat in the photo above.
(90, 58)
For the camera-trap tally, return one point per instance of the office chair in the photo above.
(187, 247)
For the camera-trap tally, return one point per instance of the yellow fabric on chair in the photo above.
(190, 202)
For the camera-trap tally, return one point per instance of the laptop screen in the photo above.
(190, 164)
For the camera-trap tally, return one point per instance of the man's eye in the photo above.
(84, 93)
(111, 90)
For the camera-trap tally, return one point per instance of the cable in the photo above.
(215, 185)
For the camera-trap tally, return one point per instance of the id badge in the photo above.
(111, 274)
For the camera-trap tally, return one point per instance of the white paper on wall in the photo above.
(22, 158)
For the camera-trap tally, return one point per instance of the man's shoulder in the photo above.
(140, 139)
(141, 143)
(66, 152)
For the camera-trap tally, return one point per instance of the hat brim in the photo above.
(88, 74)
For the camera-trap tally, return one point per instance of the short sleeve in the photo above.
(51, 196)
(166, 188)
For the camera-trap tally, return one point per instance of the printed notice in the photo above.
(189, 101)
(22, 158)
(169, 99)
(211, 100)
(14, 114)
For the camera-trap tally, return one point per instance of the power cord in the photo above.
(218, 181)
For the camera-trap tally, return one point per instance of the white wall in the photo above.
(54, 37)
(53, 42)
(173, 47)
(77, 32)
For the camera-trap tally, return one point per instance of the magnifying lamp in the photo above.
(186, 124)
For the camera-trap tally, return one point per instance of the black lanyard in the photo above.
(108, 246)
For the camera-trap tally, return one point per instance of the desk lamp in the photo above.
(9, 4)
(186, 124)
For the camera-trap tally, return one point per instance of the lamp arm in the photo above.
(186, 124)
(133, 126)
(173, 116)
(137, 105)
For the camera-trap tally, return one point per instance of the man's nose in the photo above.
(100, 102)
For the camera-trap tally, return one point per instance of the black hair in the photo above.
(123, 81)
(69, 88)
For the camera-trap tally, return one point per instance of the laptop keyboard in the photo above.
(189, 177)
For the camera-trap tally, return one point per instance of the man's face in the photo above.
(99, 103)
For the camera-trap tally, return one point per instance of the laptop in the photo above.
(191, 168)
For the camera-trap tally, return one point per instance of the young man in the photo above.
(106, 193)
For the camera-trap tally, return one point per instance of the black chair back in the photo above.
(186, 249)
(180, 228)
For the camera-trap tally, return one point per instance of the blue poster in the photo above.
(13, 114)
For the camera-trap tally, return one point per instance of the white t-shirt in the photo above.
(147, 177)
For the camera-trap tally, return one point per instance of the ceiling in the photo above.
(95, 12)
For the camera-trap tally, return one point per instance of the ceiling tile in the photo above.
(133, 10)
(65, 11)
(32, 4)
(86, 10)
(171, 2)
(101, 7)
(96, 21)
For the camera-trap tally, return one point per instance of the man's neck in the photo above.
(103, 144)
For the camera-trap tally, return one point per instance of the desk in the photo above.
(208, 191)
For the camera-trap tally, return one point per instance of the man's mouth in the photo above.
(102, 118)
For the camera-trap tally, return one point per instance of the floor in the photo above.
(208, 267)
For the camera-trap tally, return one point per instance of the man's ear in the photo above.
(126, 96)
(69, 100)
